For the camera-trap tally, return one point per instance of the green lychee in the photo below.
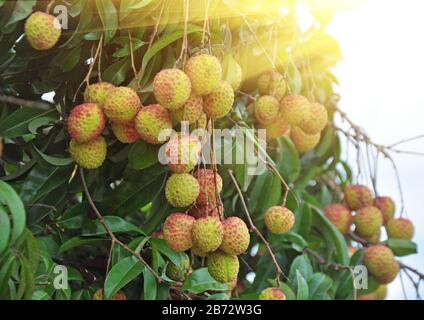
(121, 104)
(340, 216)
(231, 72)
(266, 109)
(236, 236)
(171, 88)
(219, 102)
(304, 142)
(177, 231)
(198, 252)
(368, 221)
(210, 186)
(89, 155)
(387, 207)
(272, 83)
(179, 273)
(357, 197)
(279, 219)
(380, 262)
(295, 109)
(42, 30)
(191, 111)
(400, 228)
(181, 190)
(125, 132)
(97, 92)
(316, 120)
(182, 153)
(207, 234)
(272, 294)
(152, 124)
(223, 267)
(205, 73)
(86, 122)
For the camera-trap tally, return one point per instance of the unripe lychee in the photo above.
(97, 92)
(279, 219)
(266, 109)
(236, 237)
(86, 122)
(340, 216)
(121, 104)
(304, 142)
(223, 267)
(98, 295)
(357, 197)
(219, 102)
(272, 83)
(181, 190)
(295, 109)
(42, 30)
(400, 228)
(152, 121)
(380, 262)
(231, 72)
(89, 155)
(208, 191)
(201, 211)
(368, 221)
(374, 238)
(183, 152)
(272, 294)
(205, 73)
(179, 273)
(125, 132)
(171, 88)
(381, 292)
(387, 207)
(191, 111)
(317, 119)
(177, 231)
(198, 252)
(276, 129)
(207, 234)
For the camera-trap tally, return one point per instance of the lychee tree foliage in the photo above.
(103, 222)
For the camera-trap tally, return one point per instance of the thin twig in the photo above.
(24, 103)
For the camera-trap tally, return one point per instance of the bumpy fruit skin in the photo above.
(357, 197)
(205, 73)
(223, 267)
(179, 273)
(98, 295)
(201, 211)
(317, 119)
(121, 104)
(380, 262)
(199, 252)
(42, 30)
(219, 102)
(207, 234)
(181, 190)
(272, 294)
(86, 122)
(97, 92)
(182, 153)
(90, 155)
(266, 109)
(177, 231)
(208, 192)
(400, 228)
(386, 206)
(374, 238)
(277, 128)
(295, 109)
(191, 111)
(151, 121)
(392, 271)
(304, 142)
(272, 83)
(368, 221)
(171, 88)
(279, 219)
(236, 237)
(125, 132)
(340, 216)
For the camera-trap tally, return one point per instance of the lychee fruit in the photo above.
(179, 273)
(207, 234)
(86, 122)
(272, 83)
(380, 262)
(125, 132)
(89, 155)
(198, 252)
(219, 102)
(317, 119)
(191, 111)
(208, 210)
(340, 216)
(208, 192)
(381, 292)
(272, 294)
(279, 219)
(236, 237)
(97, 92)
(266, 109)
(357, 196)
(400, 228)
(387, 207)
(181, 190)
(121, 104)
(295, 109)
(277, 128)
(223, 267)
(368, 221)
(304, 142)
(183, 152)
(177, 231)
(392, 270)
(171, 88)
(231, 72)
(205, 73)
(374, 238)
(99, 295)
(42, 30)
(152, 123)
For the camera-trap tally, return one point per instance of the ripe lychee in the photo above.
(380, 262)
(272, 83)
(177, 231)
(386, 206)
(368, 221)
(219, 102)
(125, 132)
(340, 216)
(181, 190)
(182, 153)
(99, 295)
(279, 219)
(121, 104)
(205, 73)
(223, 267)
(317, 119)
(400, 228)
(152, 123)
(191, 111)
(304, 142)
(272, 294)
(86, 122)
(42, 30)
(89, 155)
(295, 109)
(201, 211)
(171, 88)
(207, 234)
(392, 270)
(179, 273)
(231, 72)
(97, 92)
(276, 129)
(266, 109)
(357, 197)
(208, 191)
(236, 237)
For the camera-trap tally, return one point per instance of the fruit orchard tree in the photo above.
(94, 95)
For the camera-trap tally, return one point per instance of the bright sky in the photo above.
(381, 81)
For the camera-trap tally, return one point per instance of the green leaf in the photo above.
(302, 287)
(78, 242)
(319, 284)
(288, 162)
(288, 292)
(161, 246)
(302, 265)
(116, 224)
(40, 295)
(4, 229)
(55, 161)
(401, 247)
(200, 281)
(23, 9)
(268, 184)
(218, 296)
(143, 155)
(150, 286)
(109, 17)
(117, 71)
